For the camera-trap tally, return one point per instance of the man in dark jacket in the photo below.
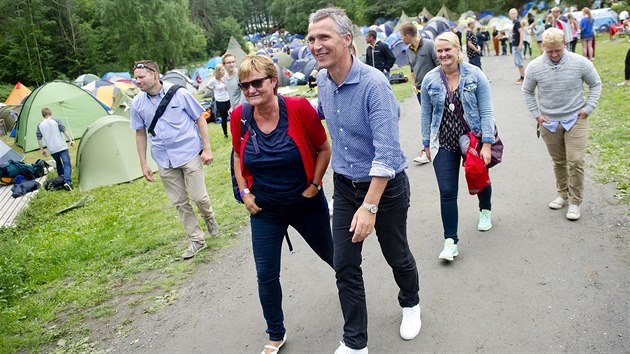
(378, 54)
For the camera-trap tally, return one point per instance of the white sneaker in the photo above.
(421, 159)
(411, 322)
(449, 251)
(574, 212)
(345, 350)
(558, 203)
(485, 220)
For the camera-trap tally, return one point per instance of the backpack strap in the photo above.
(246, 118)
(162, 107)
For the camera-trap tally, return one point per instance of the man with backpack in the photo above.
(52, 131)
(179, 145)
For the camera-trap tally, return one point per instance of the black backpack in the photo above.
(54, 184)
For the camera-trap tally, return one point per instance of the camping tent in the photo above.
(425, 15)
(85, 79)
(403, 19)
(437, 25)
(6, 153)
(18, 94)
(122, 101)
(74, 107)
(446, 13)
(235, 49)
(112, 74)
(9, 115)
(358, 41)
(107, 154)
(176, 77)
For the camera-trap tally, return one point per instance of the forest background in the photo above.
(45, 40)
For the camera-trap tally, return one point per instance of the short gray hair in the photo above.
(339, 17)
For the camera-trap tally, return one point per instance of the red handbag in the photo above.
(477, 175)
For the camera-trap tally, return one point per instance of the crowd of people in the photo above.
(282, 151)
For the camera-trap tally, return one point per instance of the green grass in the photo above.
(56, 272)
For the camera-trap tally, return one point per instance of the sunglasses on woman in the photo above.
(142, 66)
(254, 83)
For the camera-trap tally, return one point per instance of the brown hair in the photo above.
(409, 29)
(149, 64)
(46, 112)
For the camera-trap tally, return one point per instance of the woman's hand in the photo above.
(310, 191)
(486, 153)
(250, 204)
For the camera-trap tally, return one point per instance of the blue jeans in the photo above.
(476, 61)
(391, 231)
(446, 165)
(311, 219)
(64, 167)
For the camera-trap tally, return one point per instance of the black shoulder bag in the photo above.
(162, 107)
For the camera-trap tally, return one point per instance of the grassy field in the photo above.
(57, 271)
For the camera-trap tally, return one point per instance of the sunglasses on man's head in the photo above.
(254, 83)
(142, 66)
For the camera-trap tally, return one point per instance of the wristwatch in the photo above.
(372, 208)
(319, 187)
(243, 192)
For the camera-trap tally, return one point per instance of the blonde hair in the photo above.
(453, 40)
(225, 56)
(586, 11)
(46, 112)
(259, 63)
(217, 71)
(513, 11)
(553, 36)
(524, 22)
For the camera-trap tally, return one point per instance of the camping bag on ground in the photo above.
(21, 189)
(13, 168)
(54, 184)
(397, 78)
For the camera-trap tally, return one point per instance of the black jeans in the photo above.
(391, 231)
(627, 73)
(223, 108)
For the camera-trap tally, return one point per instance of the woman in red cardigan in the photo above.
(279, 165)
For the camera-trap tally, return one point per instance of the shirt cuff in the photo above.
(380, 170)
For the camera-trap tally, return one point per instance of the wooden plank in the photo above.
(10, 207)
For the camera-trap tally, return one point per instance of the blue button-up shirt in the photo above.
(362, 117)
(177, 140)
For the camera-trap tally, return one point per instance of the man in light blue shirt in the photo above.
(371, 187)
(180, 146)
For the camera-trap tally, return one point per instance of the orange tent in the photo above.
(18, 94)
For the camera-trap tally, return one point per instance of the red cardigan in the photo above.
(305, 128)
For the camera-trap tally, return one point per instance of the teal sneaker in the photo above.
(485, 220)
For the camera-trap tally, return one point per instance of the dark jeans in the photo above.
(573, 44)
(391, 231)
(476, 61)
(627, 68)
(64, 166)
(222, 111)
(447, 165)
(311, 219)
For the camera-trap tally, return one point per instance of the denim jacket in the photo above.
(474, 91)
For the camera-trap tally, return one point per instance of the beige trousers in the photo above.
(191, 177)
(567, 149)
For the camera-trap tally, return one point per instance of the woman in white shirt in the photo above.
(221, 96)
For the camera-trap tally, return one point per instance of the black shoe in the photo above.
(67, 187)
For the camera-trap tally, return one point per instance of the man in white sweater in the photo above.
(53, 131)
(561, 112)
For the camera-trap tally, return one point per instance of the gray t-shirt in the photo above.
(423, 60)
(231, 85)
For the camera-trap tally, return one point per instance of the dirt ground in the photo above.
(536, 282)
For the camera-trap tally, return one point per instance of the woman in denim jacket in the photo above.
(469, 97)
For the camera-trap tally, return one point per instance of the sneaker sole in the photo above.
(573, 217)
(556, 206)
(484, 229)
(447, 258)
(194, 254)
(421, 162)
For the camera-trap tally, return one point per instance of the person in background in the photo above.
(575, 28)
(231, 81)
(179, 145)
(279, 166)
(485, 34)
(626, 29)
(221, 95)
(527, 38)
(554, 93)
(503, 38)
(371, 187)
(495, 40)
(378, 54)
(538, 27)
(517, 44)
(586, 33)
(473, 49)
(449, 111)
(53, 131)
(422, 59)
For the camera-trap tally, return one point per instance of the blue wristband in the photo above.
(243, 192)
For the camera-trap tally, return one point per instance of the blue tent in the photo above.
(212, 63)
(126, 75)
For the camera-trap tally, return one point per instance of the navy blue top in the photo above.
(278, 170)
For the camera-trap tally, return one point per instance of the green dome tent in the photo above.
(74, 107)
(107, 154)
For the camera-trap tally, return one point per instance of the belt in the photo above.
(361, 184)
